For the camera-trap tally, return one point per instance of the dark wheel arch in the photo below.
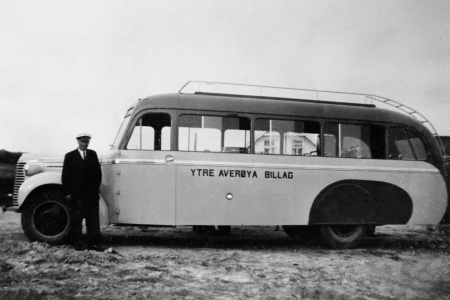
(361, 202)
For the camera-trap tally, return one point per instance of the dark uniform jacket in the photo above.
(81, 177)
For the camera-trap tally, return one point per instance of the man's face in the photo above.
(83, 143)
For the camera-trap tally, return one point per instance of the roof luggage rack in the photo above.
(294, 94)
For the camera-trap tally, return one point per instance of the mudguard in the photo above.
(361, 202)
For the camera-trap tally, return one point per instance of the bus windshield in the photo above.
(122, 129)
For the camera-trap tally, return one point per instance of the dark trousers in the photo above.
(85, 206)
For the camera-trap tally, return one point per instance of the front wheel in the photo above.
(342, 236)
(47, 218)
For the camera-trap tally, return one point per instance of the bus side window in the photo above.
(236, 135)
(237, 141)
(287, 137)
(354, 141)
(406, 144)
(302, 139)
(151, 132)
(198, 133)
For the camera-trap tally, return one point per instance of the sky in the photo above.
(76, 66)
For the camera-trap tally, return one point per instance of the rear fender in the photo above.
(361, 202)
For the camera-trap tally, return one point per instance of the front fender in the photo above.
(31, 183)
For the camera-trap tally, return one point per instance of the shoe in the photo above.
(78, 247)
(97, 248)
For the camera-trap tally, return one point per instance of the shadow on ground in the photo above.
(268, 239)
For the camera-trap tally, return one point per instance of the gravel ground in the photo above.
(399, 262)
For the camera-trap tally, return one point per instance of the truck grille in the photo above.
(20, 178)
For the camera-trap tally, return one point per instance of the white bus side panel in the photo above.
(204, 180)
(146, 190)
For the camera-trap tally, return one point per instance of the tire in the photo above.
(342, 236)
(299, 232)
(48, 218)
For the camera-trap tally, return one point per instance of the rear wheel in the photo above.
(342, 236)
(47, 218)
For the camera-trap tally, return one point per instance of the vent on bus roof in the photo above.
(294, 94)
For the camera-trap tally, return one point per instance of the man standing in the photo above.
(81, 179)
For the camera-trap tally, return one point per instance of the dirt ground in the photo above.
(252, 263)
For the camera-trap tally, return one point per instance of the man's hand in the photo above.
(69, 197)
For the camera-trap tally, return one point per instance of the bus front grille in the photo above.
(20, 178)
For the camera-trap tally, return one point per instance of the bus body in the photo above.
(225, 160)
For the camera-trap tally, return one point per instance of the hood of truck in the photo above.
(42, 157)
(59, 157)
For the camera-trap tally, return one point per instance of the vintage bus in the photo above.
(323, 168)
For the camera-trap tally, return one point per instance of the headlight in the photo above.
(33, 168)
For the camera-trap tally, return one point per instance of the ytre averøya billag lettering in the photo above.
(241, 173)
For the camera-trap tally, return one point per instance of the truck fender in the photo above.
(31, 183)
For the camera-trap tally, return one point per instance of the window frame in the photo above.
(175, 114)
(385, 126)
(132, 124)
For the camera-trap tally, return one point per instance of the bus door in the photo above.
(146, 190)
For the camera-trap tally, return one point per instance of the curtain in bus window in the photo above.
(213, 134)
(331, 137)
(405, 144)
(354, 140)
(151, 132)
(286, 137)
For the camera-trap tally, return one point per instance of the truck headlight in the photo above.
(32, 168)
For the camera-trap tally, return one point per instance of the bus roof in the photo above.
(277, 106)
